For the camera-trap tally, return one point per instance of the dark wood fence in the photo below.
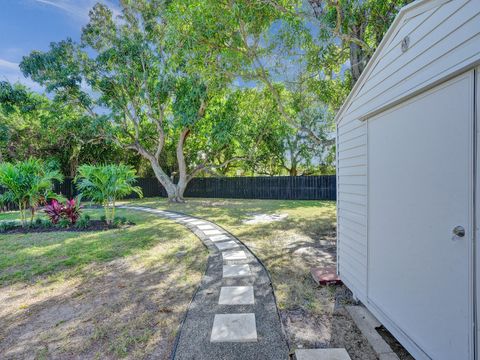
(269, 187)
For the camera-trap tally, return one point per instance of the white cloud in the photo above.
(78, 9)
(8, 65)
(9, 71)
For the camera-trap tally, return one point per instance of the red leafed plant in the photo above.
(70, 211)
(54, 211)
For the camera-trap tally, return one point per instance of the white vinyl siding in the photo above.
(444, 38)
(351, 205)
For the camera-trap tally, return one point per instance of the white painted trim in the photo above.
(337, 199)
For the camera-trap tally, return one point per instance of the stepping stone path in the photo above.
(233, 314)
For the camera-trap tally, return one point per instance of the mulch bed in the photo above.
(94, 225)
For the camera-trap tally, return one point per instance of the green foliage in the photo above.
(7, 226)
(28, 184)
(63, 223)
(83, 222)
(32, 125)
(105, 184)
(198, 87)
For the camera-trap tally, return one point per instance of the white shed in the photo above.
(408, 181)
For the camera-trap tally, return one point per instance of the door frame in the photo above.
(473, 253)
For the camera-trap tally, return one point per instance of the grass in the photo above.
(121, 293)
(303, 238)
(110, 294)
(289, 248)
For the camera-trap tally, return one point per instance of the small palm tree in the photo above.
(105, 184)
(28, 184)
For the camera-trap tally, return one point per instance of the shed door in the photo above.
(420, 188)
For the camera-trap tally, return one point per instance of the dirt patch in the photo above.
(397, 348)
(322, 321)
(264, 218)
(126, 308)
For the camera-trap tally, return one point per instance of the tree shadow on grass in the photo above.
(27, 256)
(115, 309)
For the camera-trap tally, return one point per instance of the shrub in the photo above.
(119, 221)
(28, 184)
(83, 222)
(46, 224)
(69, 211)
(7, 225)
(63, 223)
(105, 184)
(54, 211)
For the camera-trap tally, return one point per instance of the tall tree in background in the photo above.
(34, 125)
(359, 25)
(137, 77)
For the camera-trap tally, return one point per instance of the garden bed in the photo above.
(93, 225)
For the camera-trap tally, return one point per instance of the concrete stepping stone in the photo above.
(206, 227)
(198, 222)
(212, 232)
(189, 220)
(234, 328)
(226, 245)
(234, 255)
(322, 354)
(236, 295)
(219, 237)
(232, 271)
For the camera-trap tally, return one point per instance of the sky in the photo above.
(27, 25)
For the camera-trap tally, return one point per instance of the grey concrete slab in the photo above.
(236, 295)
(234, 328)
(206, 227)
(190, 220)
(212, 232)
(367, 323)
(199, 222)
(173, 215)
(226, 245)
(322, 354)
(230, 271)
(234, 255)
(221, 237)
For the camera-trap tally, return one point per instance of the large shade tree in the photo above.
(130, 71)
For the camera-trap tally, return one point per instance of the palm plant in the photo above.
(29, 184)
(105, 184)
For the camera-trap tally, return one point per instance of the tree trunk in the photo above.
(182, 167)
(358, 56)
(166, 182)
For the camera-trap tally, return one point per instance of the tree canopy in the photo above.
(196, 88)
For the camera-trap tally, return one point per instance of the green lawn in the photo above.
(289, 248)
(116, 293)
(302, 239)
(121, 293)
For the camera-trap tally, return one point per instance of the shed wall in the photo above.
(444, 39)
